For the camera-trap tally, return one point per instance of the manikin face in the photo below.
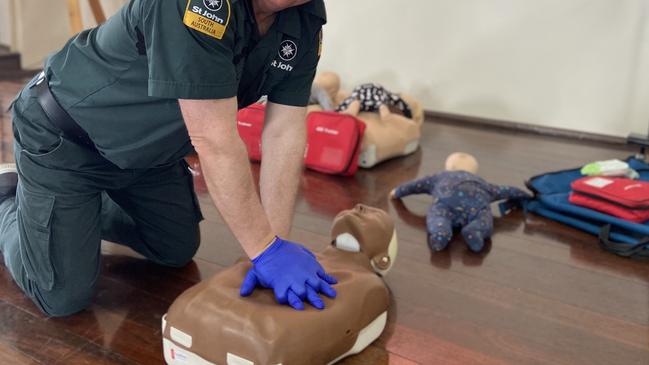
(364, 218)
(368, 230)
(274, 6)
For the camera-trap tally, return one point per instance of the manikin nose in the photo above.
(361, 208)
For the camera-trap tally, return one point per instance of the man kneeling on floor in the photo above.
(100, 138)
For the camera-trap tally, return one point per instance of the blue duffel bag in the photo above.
(616, 235)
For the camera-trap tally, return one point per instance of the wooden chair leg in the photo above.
(97, 11)
(76, 20)
(74, 12)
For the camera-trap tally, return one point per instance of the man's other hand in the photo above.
(293, 272)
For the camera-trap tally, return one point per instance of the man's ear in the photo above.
(381, 262)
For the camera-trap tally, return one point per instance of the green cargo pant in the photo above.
(70, 198)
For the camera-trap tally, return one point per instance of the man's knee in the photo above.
(64, 301)
(178, 261)
(180, 254)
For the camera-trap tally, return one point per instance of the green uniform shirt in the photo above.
(121, 81)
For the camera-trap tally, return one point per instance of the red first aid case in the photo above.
(250, 123)
(333, 143)
(620, 197)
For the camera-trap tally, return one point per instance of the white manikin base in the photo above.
(176, 355)
(368, 157)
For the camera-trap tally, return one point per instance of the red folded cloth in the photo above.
(620, 197)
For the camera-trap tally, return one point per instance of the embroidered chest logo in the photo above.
(210, 17)
(287, 53)
(213, 5)
(287, 50)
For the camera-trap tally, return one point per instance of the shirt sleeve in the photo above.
(189, 49)
(296, 89)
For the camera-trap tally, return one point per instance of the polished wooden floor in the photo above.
(541, 293)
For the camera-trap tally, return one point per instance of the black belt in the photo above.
(58, 116)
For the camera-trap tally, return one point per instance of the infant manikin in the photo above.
(211, 324)
(461, 200)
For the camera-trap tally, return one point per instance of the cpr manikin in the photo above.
(393, 123)
(211, 324)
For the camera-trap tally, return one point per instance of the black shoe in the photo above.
(8, 180)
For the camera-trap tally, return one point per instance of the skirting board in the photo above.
(455, 119)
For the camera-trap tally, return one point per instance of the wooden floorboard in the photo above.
(541, 293)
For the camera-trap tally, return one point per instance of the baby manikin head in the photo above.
(370, 231)
(461, 161)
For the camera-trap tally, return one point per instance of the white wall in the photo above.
(40, 28)
(109, 6)
(638, 108)
(43, 26)
(574, 64)
(5, 23)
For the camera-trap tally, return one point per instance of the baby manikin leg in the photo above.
(440, 229)
(478, 230)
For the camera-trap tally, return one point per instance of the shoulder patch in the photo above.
(210, 17)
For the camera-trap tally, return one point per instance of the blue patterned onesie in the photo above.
(462, 200)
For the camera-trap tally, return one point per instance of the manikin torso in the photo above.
(213, 322)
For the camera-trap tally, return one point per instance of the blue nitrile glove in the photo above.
(293, 272)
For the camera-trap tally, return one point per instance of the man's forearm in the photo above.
(284, 141)
(231, 187)
(226, 168)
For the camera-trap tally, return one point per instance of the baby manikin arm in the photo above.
(420, 186)
(502, 192)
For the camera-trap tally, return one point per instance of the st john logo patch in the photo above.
(288, 50)
(213, 5)
(210, 17)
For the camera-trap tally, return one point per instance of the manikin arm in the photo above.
(504, 192)
(320, 96)
(424, 185)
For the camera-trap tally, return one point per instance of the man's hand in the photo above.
(293, 272)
